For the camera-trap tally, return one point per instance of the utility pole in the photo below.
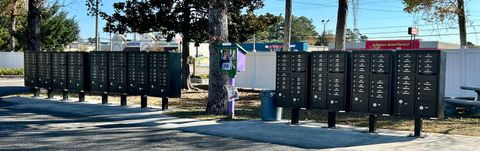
(97, 36)
(324, 22)
(288, 25)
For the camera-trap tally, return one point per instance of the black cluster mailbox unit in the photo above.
(30, 69)
(164, 74)
(117, 72)
(330, 80)
(44, 65)
(137, 72)
(59, 71)
(98, 61)
(372, 81)
(420, 83)
(78, 73)
(292, 81)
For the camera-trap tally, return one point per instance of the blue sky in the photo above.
(378, 19)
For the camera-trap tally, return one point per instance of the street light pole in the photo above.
(324, 22)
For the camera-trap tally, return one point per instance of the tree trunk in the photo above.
(185, 66)
(185, 45)
(341, 24)
(218, 30)
(461, 22)
(33, 19)
(288, 25)
(13, 23)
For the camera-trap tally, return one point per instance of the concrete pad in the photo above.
(307, 136)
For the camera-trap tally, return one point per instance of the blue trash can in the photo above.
(269, 111)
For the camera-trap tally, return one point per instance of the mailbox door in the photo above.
(404, 102)
(99, 79)
(117, 79)
(30, 71)
(380, 94)
(360, 92)
(283, 81)
(336, 91)
(76, 78)
(319, 90)
(284, 62)
(137, 78)
(59, 78)
(298, 90)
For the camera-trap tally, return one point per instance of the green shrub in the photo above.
(11, 71)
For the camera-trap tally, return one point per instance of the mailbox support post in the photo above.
(295, 116)
(65, 95)
(81, 96)
(372, 123)
(418, 127)
(36, 92)
(332, 115)
(50, 93)
(104, 98)
(164, 103)
(231, 100)
(123, 99)
(143, 101)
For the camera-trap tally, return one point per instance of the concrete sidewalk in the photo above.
(307, 136)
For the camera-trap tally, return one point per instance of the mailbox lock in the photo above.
(332, 102)
(279, 94)
(374, 104)
(421, 107)
(315, 96)
(400, 101)
(356, 98)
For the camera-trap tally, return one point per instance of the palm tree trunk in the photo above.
(218, 30)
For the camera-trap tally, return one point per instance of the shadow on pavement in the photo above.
(142, 127)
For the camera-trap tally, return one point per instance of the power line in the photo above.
(331, 5)
(393, 32)
(453, 34)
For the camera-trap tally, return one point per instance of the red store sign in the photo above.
(392, 44)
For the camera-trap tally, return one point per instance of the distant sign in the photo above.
(412, 31)
(392, 44)
(132, 44)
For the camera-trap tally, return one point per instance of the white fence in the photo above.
(463, 69)
(11, 59)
